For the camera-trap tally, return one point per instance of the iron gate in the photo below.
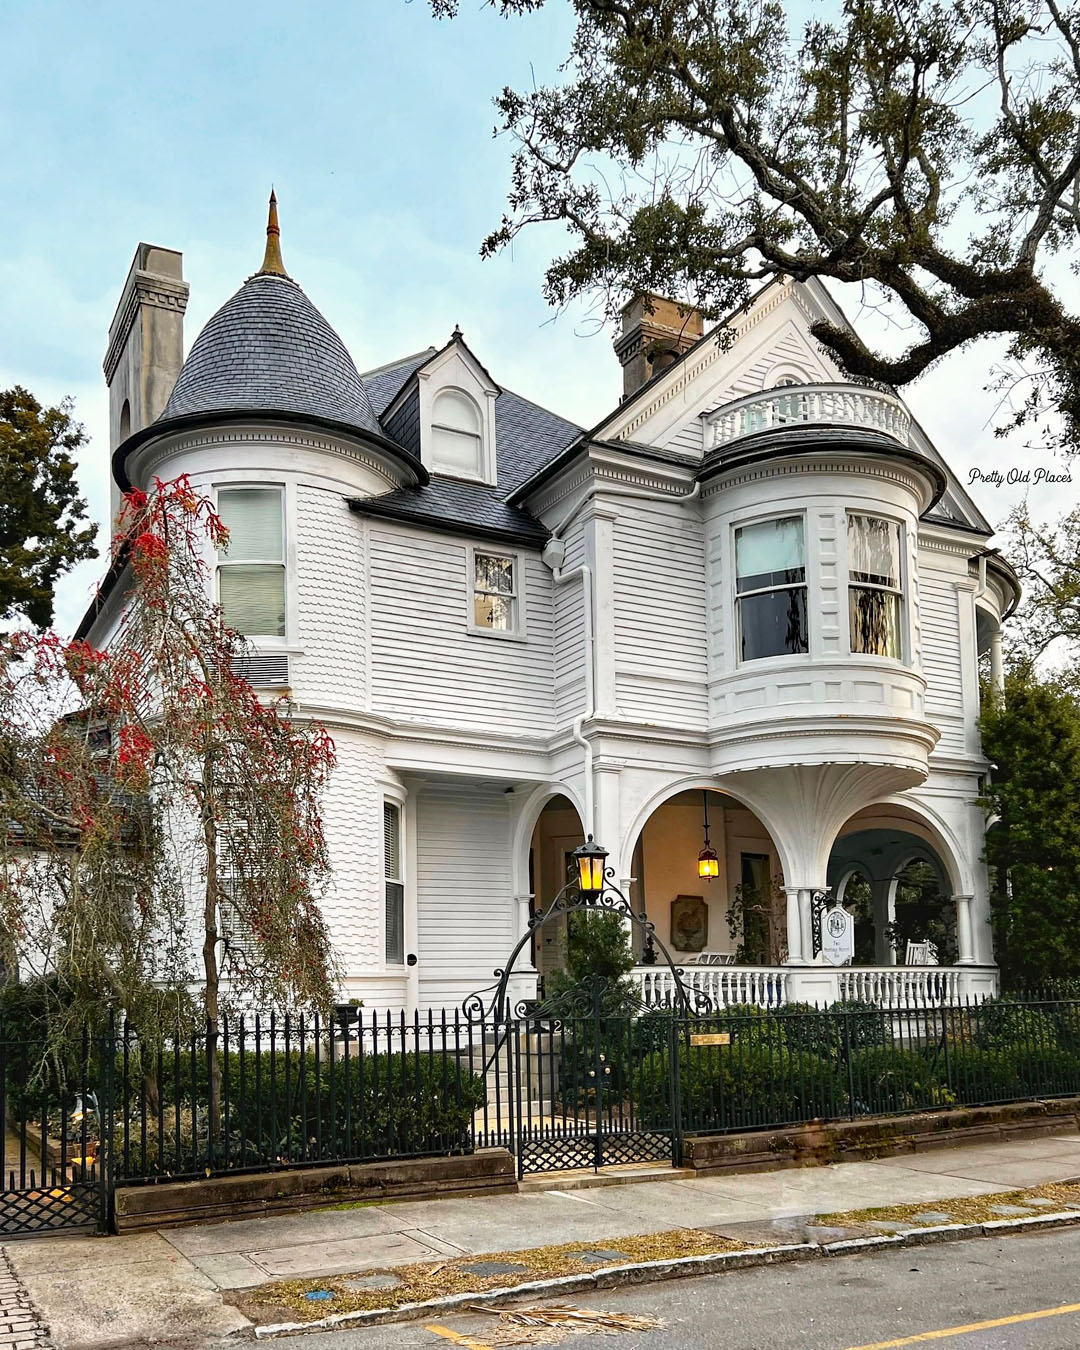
(580, 1097)
(55, 1134)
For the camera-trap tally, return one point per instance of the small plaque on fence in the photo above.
(711, 1038)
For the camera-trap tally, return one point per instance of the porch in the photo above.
(707, 874)
(899, 987)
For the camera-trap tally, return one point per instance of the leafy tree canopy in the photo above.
(42, 515)
(1046, 556)
(928, 149)
(1032, 736)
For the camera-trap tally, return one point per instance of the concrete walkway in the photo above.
(167, 1286)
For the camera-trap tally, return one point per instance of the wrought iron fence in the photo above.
(588, 1087)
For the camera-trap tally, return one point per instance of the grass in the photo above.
(434, 1279)
(962, 1209)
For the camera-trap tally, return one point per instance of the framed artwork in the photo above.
(689, 923)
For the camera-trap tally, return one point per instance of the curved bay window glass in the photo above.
(251, 572)
(874, 590)
(770, 588)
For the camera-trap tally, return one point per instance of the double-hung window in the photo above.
(251, 573)
(495, 597)
(770, 588)
(393, 881)
(874, 586)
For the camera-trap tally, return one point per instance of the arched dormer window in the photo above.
(457, 441)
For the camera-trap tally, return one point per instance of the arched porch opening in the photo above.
(738, 916)
(899, 877)
(557, 832)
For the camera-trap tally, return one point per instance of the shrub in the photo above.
(886, 1078)
(804, 1027)
(738, 1086)
(1047, 1071)
(977, 1075)
(1003, 1024)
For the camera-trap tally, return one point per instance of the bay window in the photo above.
(874, 586)
(770, 588)
(251, 572)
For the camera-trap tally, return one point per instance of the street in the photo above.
(897, 1298)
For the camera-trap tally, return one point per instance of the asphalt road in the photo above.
(877, 1302)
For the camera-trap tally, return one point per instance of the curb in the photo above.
(649, 1272)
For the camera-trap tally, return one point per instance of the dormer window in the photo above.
(457, 441)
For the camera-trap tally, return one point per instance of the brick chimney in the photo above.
(655, 333)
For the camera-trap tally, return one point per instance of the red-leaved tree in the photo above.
(164, 820)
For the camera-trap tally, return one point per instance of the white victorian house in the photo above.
(753, 590)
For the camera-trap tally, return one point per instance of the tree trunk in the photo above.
(211, 974)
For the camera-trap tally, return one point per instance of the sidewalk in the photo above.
(169, 1285)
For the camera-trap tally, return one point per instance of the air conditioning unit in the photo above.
(265, 670)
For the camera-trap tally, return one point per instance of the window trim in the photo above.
(466, 475)
(517, 632)
(398, 807)
(260, 641)
(900, 590)
(736, 526)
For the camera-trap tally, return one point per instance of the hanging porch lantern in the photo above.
(589, 858)
(708, 864)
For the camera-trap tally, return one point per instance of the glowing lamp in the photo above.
(589, 859)
(708, 864)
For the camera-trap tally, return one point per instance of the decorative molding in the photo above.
(147, 288)
(871, 468)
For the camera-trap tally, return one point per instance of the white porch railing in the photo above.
(764, 986)
(849, 405)
(773, 986)
(900, 986)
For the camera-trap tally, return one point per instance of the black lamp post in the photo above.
(589, 859)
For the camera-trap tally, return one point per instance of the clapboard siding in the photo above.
(569, 602)
(465, 904)
(660, 644)
(942, 659)
(426, 664)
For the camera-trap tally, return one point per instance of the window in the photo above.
(395, 889)
(495, 593)
(251, 575)
(770, 586)
(456, 439)
(874, 592)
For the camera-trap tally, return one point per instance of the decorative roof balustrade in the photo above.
(844, 405)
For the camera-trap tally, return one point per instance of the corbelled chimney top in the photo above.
(655, 333)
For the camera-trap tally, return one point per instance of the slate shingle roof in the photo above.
(526, 437)
(269, 349)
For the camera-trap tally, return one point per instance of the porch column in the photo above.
(796, 955)
(965, 940)
(997, 665)
(883, 904)
(522, 906)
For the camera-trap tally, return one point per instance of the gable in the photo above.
(771, 344)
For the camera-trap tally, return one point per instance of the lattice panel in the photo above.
(558, 1155)
(46, 1210)
(619, 1149)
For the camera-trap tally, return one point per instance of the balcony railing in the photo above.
(773, 986)
(848, 405)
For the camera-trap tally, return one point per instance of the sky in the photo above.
(122, 122)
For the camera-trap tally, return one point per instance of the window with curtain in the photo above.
(495, 595)
(770, 588)
(456, 435)
(393, 880)
(874, 586)
(251, 574)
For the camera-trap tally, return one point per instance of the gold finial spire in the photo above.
(272, 264)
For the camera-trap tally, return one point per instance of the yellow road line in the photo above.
(971, 1326)
(458, 1338)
